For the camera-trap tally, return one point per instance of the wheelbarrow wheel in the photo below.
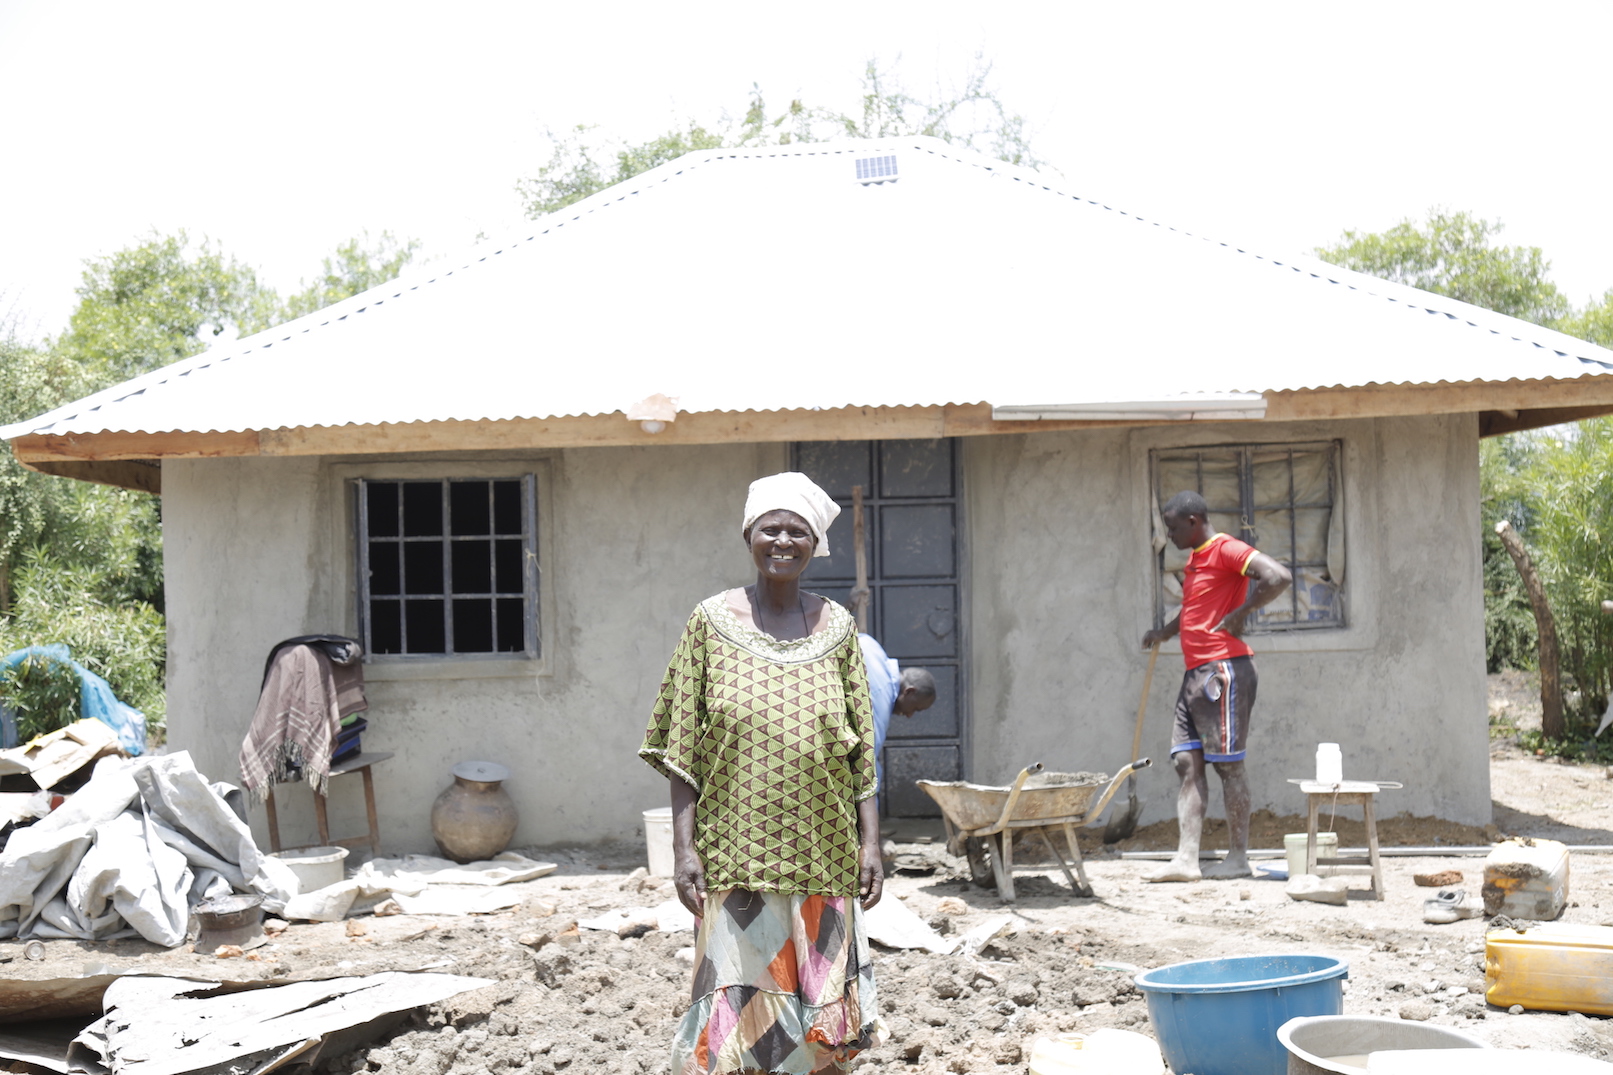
(979, 869)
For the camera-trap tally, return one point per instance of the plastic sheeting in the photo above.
(421, 884)
(130, 853)
(95, 698)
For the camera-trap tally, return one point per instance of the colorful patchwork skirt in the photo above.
(781, 984)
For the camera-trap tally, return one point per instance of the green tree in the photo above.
(1571, 475)
(81, 564)
(1594, 323)
(1453, 254)
(1510, 635)
(357, 265)
(585, 161)
(157, 302)
(32, 381)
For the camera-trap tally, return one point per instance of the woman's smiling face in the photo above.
(781, 543)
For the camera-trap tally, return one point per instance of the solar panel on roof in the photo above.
(876, 169)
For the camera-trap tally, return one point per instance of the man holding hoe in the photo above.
(1218, 689)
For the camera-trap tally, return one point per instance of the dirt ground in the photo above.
(592, 1002)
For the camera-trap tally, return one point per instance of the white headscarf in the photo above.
(792, 491)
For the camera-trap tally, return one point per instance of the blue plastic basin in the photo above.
(1220, 1016)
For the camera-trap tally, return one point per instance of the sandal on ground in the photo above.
(1451, 905)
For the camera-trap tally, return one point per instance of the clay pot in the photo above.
(474, 817)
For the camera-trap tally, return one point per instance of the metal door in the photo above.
(911, 504)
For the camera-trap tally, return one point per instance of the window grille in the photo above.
(448, 567)
(1284, 499)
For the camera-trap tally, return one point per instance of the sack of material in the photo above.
(129, 853)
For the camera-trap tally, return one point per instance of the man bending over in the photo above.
(1218, 689)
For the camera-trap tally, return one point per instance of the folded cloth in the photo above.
(294, 729)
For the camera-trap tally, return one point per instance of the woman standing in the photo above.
(764, 728)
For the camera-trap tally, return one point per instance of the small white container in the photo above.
(658, 840)
(315, 867)
(1327, 847)
(1099, 1052)
(1329, 764)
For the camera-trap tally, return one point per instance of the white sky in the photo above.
(281, 129)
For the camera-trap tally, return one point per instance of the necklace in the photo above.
(756, 615)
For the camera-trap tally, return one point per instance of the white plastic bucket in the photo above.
(658, 840)
(1327, 847)
(315, 867)
(1101, 1052)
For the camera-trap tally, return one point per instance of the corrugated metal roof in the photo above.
(760, 280)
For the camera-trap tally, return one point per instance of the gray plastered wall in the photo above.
(1059, 593)
(1061, 589)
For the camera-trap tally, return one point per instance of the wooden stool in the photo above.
(1348, 793)
(360, 764)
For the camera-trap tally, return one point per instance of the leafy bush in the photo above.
(1556, 488)
(1511, 639)
(1572, 476)
(122, 642)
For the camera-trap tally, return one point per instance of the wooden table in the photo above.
(1360, 793)
(361, 765)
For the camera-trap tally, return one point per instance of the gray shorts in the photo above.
(1212, 711)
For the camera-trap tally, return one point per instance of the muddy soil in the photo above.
(588, 1001)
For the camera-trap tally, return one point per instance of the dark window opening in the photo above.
(1284, 499)
(448, 567)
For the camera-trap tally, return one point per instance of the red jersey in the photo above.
(1213, 584)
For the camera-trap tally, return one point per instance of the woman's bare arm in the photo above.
(687, 873)
(872, 875)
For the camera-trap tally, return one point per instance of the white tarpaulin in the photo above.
(420, 884)
(413, 872)
(130, 853)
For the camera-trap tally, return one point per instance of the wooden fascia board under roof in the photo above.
(126, 459)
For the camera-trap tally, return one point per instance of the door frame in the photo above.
(963, 702)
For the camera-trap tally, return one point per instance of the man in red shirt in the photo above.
(1218, 689)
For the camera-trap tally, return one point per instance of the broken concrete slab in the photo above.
(171, 1026)
(669, 916)
(892, 924)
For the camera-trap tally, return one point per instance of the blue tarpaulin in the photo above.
(95, 699)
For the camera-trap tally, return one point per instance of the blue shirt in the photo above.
(884, 684)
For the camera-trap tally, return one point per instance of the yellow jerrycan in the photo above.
(1558, 967)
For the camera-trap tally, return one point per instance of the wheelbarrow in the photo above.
(981, 820)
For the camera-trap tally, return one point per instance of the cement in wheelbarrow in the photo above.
(976, 813)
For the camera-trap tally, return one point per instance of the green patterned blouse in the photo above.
(778, 739)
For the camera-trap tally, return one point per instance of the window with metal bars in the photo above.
(1284, 499)
(448, 567)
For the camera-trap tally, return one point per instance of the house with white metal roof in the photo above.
(513, 475)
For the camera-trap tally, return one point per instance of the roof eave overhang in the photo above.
(132, 459)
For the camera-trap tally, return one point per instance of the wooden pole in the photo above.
(860, 593)
(1551, 684)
